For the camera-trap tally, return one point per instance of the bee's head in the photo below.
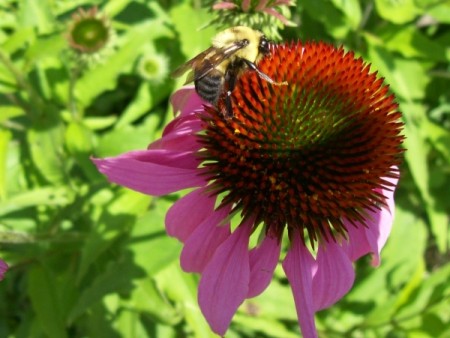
(264, 45)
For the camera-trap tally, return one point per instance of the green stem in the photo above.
(35, 101)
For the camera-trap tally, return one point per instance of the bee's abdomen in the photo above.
(209, 88)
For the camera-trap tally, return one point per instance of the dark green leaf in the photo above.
(42, 291)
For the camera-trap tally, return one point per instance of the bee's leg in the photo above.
(263, 76)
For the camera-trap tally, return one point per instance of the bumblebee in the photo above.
(216, 70)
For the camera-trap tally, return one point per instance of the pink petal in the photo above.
(224, 283)
(245, 5)
(379, 231)
(224, 5)
(181, 221)
(180, 134)
(263, 261)
(334, 276)
(152, 172)
(357, 244)
(186, 100)
(199, 248)
(373, 237)
(299, 266)
(3, 269)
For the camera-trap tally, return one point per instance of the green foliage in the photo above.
(92, 260)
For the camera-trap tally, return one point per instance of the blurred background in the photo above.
(85, 78)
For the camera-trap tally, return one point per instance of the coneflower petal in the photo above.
(299, 267)
(180, 135)
(200, 246)
(373, 236)
(186, 101)
(224, 282)
(181, 221)
(334, 276)
(156, 173)
(263, 261)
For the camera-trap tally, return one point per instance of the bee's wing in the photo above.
(206, 61)
(191, 64)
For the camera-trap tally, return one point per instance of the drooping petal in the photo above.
(299, 266)
(152, 172)
(200, 246)
(373, 236)
(3, 269)
(357, 244)
(181, 221)
(224, 282)
(378, 236)
(263, 261)
(334, 276)
(378, 231)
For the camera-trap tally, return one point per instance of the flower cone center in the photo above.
(309, 155)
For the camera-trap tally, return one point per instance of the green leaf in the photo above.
(36, 14)
(47, 151)
(182, 288)
(7, 80)
(138, 107)
(117, 277)
(147, 298)
(149, 238)
(417, 147)
(432, 290)
(114, 223)
(330, 16)
(44, 300)
(5, 137)
(96, 123)
(37, 197)
(50, 46)
(407, 78)
(411, 43)
(440, 10)
(397, 11)
(10, 112)
(275, 302)
(112, 143)
(258, 324)
(79, 139)
(352, 11)
(438, 136)
(18, 40)
(193, 40)
(104, 76)
(79, 143)
(399, 262)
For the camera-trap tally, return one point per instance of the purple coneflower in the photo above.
(312, 165)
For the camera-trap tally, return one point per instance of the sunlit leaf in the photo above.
(47, 151)
(398, 11)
